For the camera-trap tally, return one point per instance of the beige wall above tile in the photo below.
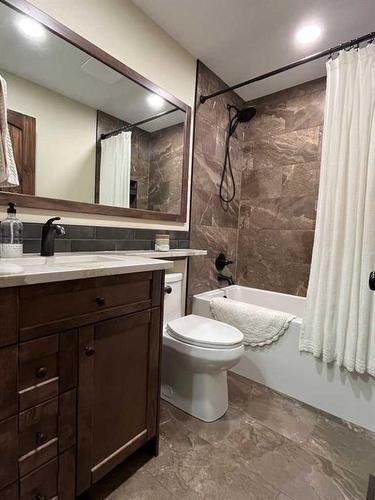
(125, 32)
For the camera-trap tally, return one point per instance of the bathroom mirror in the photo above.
(89, 134)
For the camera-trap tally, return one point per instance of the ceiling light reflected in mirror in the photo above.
(155, 101)
(32, 29)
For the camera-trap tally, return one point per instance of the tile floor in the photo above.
(267, 447)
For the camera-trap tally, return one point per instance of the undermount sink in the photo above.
(18, 265)
(62, 259)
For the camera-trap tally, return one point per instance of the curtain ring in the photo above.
(351, 45)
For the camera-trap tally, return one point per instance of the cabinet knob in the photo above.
(38, 496)
(41, 372)
(40, 438)
(89, 350)
(168, 289)
(100, 301)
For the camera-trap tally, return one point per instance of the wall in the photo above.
(279, 188)
(121, 29)
(65, 139)
(156, 163)
(100, 239)
(269, 228)
(165, 177)
(211, 227)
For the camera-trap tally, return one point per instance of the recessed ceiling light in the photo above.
(155, 101)
(308, 34)
(31, 28)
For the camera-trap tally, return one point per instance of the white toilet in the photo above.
(197, 352)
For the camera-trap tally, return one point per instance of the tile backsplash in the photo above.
(100, 239)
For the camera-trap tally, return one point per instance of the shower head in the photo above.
(246, 114)
(243, 115)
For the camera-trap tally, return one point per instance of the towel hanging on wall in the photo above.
(8, 169)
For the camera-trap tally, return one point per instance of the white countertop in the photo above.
(32, 269)
(154, 254)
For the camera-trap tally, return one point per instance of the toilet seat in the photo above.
(204, 332)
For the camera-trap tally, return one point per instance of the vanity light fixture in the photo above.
(155, 101)
(308, 33)
(31, 28)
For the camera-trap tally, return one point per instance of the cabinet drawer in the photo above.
(46, 366)
(48, 303)
(38, 361)
(45, 430)
(38, 371)
(38, 434)
(42, 482)
(37, 426)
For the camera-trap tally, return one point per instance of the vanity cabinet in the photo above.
(118, 391)
(79, 381)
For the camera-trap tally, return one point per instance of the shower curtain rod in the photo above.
(133, 125)
(295, 64)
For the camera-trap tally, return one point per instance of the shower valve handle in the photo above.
(221, 261)
(371, 281)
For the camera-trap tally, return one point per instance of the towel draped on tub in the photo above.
(259, 325)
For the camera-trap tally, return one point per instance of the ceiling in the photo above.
(59, 66)
(241, 39)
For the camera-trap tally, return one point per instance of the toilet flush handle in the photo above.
(168, 289)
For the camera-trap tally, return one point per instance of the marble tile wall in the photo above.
(212, 228)
(165, 173)
(279, 188)
(156, 163)
(269, 228)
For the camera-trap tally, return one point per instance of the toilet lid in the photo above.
(204, 332)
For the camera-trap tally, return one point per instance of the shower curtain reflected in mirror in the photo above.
(115, 165)
(339, 323)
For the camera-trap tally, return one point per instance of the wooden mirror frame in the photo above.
(92, 50)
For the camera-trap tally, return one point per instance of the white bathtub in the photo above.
(284, 368)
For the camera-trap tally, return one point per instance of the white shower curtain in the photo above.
(115, 165)
(339, 323)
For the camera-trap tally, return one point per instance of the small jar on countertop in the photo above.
(162, 242)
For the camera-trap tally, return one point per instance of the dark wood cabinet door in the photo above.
(22, 131)
(118, 391)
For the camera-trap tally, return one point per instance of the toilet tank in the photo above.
(173, 300)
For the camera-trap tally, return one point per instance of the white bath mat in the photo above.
(260, 326)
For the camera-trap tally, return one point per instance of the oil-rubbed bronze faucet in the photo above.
(49, 233)
(228, 279)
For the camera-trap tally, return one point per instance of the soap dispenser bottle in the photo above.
(11, 230)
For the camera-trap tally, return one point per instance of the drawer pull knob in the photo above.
(38, 496)
(89, 350)
(41, 372)
(168, 289)
(40, 438)
(100, 301)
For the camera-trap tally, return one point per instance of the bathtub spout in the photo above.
(228, 279)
